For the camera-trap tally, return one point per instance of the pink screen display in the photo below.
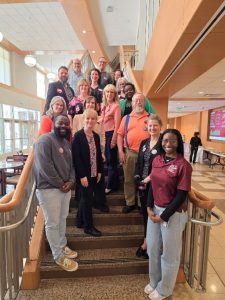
(217, 125)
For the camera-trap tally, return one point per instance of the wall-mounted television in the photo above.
(217, 125)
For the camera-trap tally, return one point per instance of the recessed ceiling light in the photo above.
(84, 31)
(93, 51)
(201, 93)
(224, 80)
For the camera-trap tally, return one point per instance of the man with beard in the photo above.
(126, 104)
(60, 88)
(55, 176)
(131, 133)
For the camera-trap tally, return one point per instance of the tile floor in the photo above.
(210, 182)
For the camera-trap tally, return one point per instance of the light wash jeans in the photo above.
(55, 206)
(164, 245)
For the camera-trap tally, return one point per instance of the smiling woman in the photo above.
(57, 106)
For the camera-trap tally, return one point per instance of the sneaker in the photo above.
(69, 252)
(148, 289)
(126, 209)
(67, 264)
(156, 296)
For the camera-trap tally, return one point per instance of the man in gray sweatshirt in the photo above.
(55, 177)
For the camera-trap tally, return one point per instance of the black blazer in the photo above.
(81, 155)
(56, 89)
(140, 160)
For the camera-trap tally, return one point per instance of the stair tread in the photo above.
(93, 256)
(108, 230)
(115, 211)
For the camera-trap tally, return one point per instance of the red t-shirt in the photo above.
(167, 178)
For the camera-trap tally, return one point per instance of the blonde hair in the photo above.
(109, 87)
(119, 80)
(89, 112)
(82, 81)
(154, 117)
(55, 99)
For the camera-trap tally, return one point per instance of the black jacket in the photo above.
(195, 142)
(81, 155)
(56, 89)
(140, 160)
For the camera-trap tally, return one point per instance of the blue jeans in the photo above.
(164, 245)
(55, 206)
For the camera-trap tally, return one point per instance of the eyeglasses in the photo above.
(169, 141)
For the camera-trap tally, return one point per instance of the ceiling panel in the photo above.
(119, 26)
(34, 26)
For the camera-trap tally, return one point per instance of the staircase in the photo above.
(111, 254)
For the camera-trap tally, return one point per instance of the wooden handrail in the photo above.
(200, 200)
(11, 200)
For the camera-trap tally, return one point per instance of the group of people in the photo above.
(73, 146)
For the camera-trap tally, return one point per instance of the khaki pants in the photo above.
(130, 190)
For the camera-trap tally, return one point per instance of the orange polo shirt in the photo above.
(136, 130)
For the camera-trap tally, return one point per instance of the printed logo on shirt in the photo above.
(61, 150)
(59, 91)
(172, 169)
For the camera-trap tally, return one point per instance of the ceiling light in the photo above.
(109, 8)
(84, 31)
(200, 93)
(93, 51)
(1, 37)
(30, 61)
(51, 76)
(224, 80)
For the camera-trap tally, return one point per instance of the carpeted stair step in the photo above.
(98, 262)
(114, 217)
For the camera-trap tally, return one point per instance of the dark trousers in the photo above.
(99, 196)
(194, 151)
(84, 213)
(112, 162)
(143, 199)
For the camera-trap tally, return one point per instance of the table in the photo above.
(214, 158)
(4, 165)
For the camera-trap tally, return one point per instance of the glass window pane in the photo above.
(7, 130)
(17, 145)
(8, 146)
(25, 143)
(7, 111)
(17, 130)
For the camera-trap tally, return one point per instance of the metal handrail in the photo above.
(17, 224)
(209, 224)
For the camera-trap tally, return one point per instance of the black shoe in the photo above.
(104, 208)
(79, 225)
(126, 209)
(93, 231)
(142, 253)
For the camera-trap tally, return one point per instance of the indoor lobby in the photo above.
(172, 51)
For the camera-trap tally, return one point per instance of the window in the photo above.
(5, 75)
(18, 127)
(40, 84)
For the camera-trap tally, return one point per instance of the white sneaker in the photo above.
(69, 252)
(67, 264)
(148, 289)
(156, 296)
